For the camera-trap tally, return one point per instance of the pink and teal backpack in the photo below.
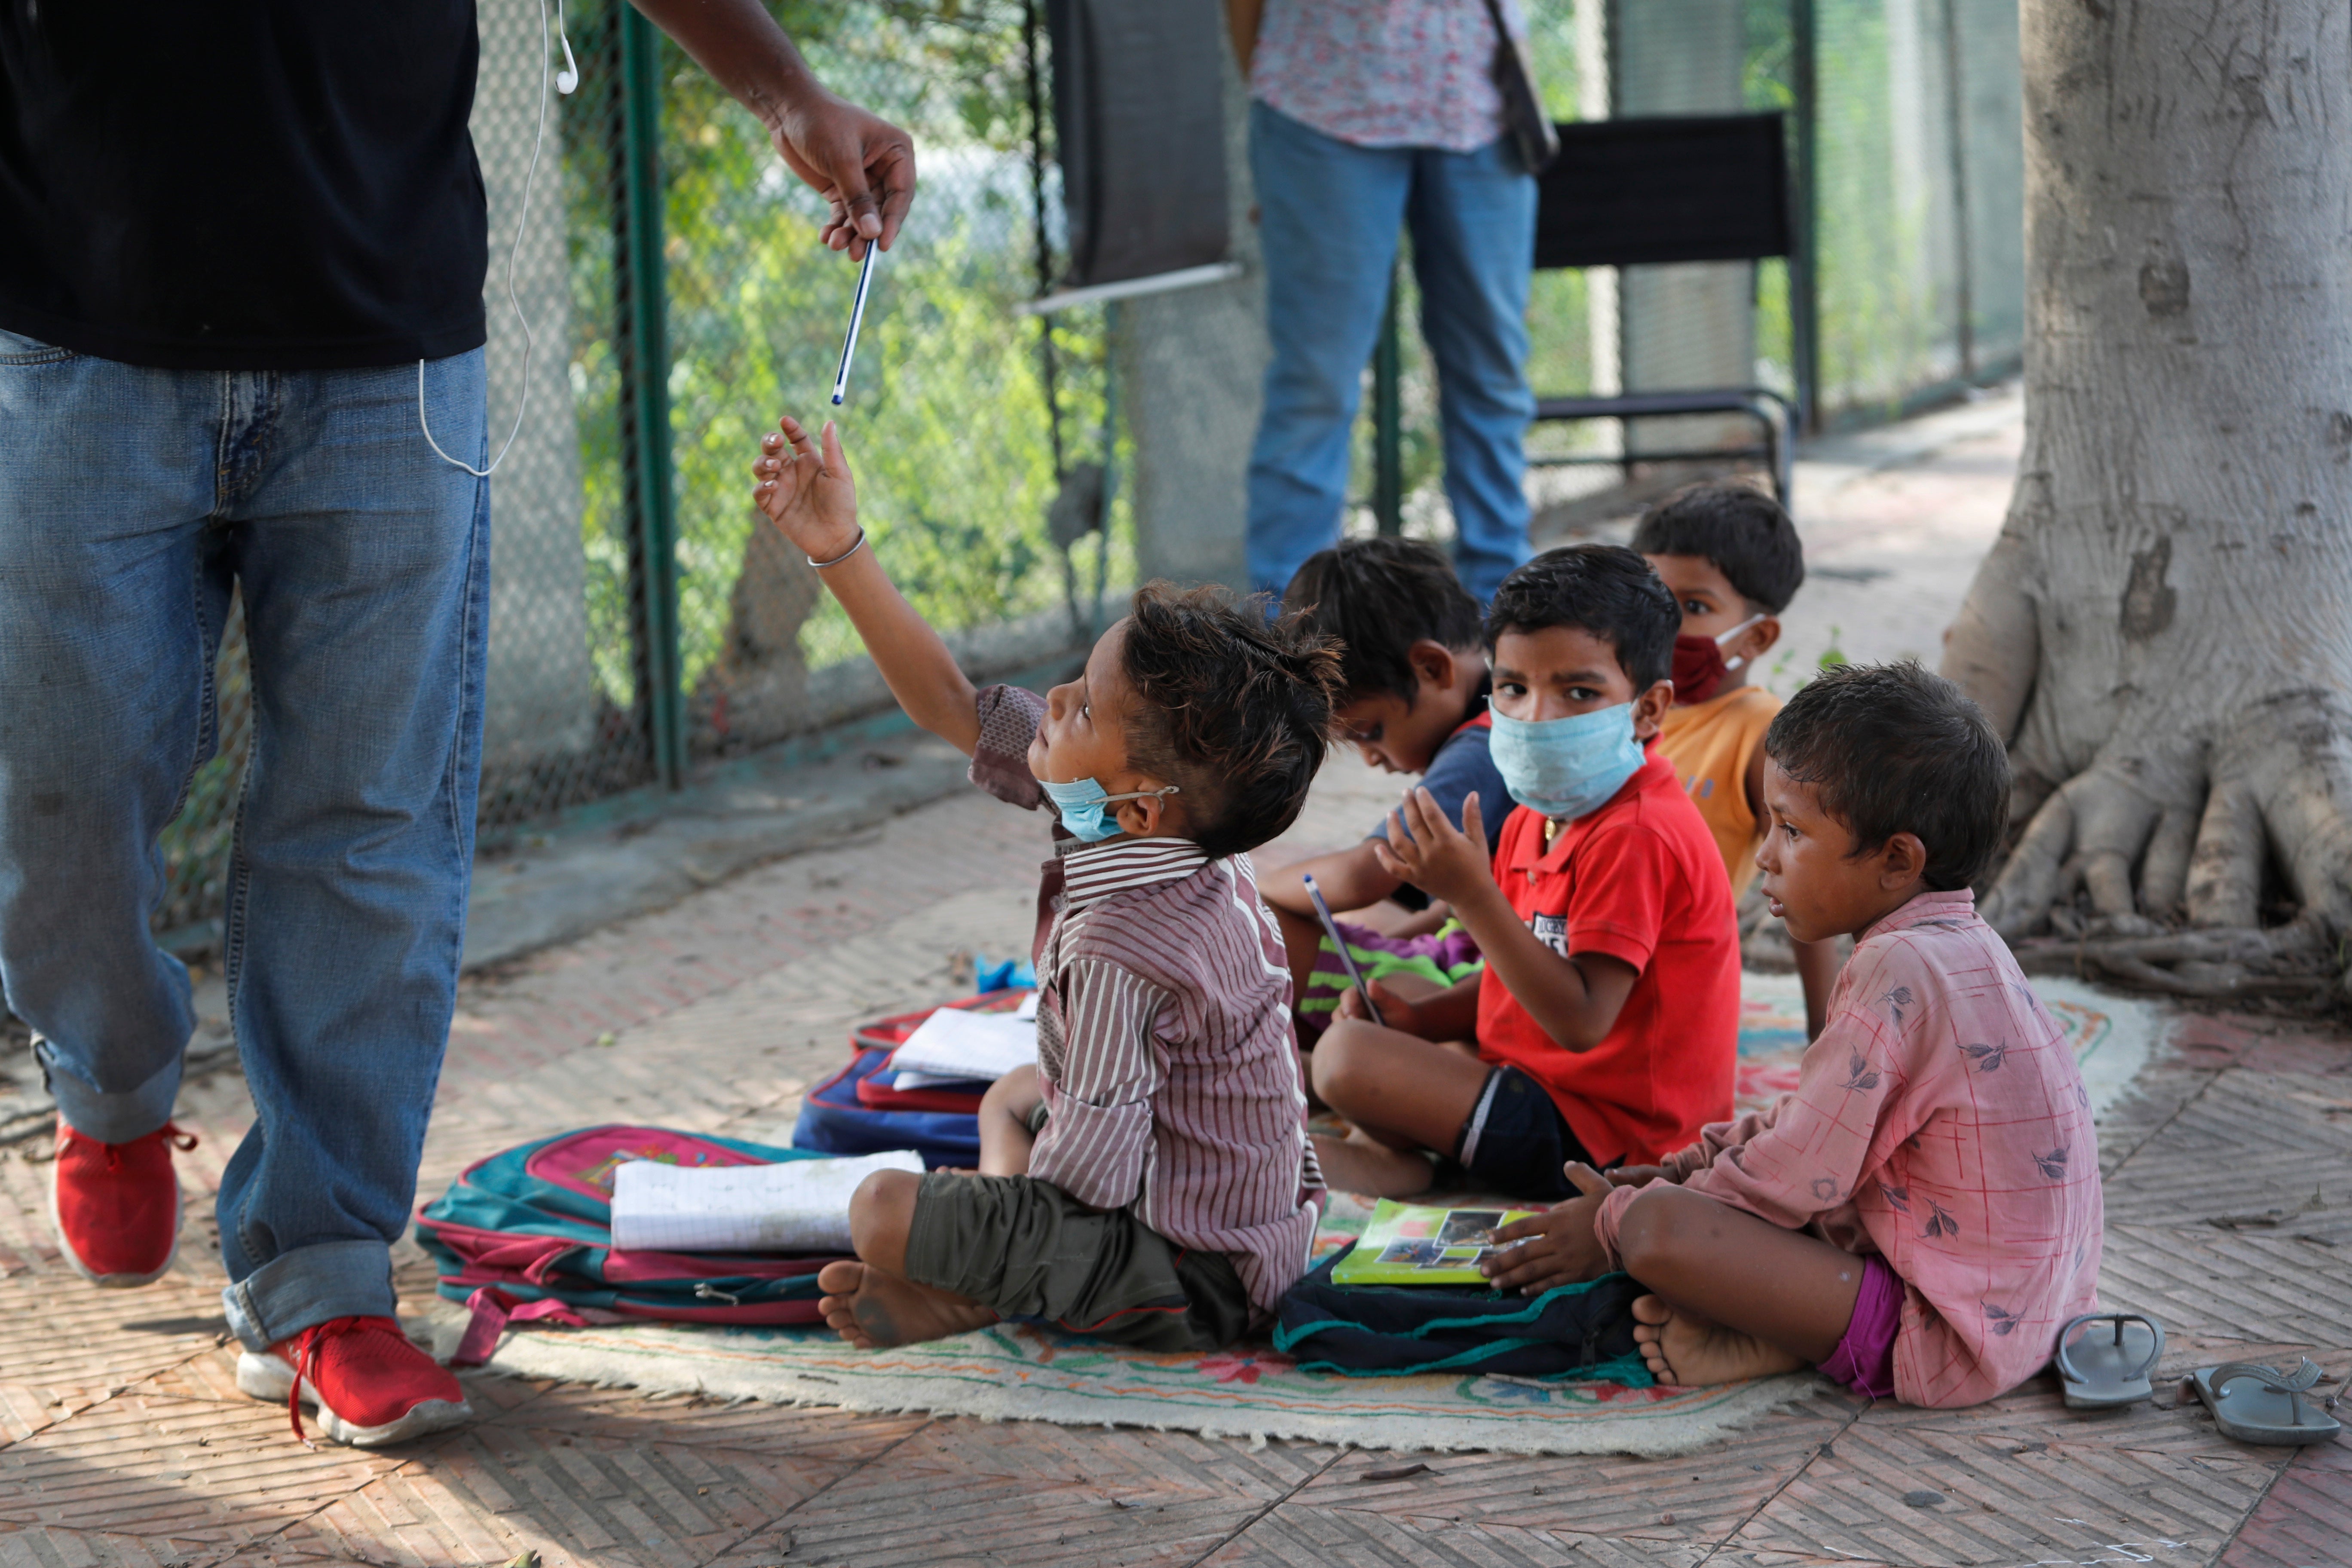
(527, 1236)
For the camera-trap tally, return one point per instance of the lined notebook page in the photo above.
(955, 1044)
(800, 1206)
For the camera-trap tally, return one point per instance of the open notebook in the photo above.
(955, 1044)
(799, 1206)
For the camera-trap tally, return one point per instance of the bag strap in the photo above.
(1523, 110)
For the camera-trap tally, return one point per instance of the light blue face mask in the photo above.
(1564, 768)
(1081, 803)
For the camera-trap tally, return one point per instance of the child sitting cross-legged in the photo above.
(1921, 1213)
(1604, 1026)
(1414, 663)
(1149, 1181)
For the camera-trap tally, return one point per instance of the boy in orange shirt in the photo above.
(1731, 558)
(1604, 1026)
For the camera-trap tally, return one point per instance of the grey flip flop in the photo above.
(2106, 1371)
(2256, 1404)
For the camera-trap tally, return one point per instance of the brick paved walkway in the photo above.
(124, 1441)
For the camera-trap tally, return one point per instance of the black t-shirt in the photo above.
(241, 184)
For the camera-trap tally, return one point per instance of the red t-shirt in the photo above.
(1641, 880)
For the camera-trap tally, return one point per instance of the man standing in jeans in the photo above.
(241, 243)
(1369, 117)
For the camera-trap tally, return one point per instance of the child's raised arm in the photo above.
(810, 496)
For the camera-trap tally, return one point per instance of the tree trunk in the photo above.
(2163, 631)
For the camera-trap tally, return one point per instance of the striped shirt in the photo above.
(1164, 1048)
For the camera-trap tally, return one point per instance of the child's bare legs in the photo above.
(1735, 1296)
(1006, 1140)
(872, 1304)
(1402, 1093)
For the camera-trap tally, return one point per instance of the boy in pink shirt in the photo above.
(1922, 1213)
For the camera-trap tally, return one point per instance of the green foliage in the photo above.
(1880, 320)
(1552, 47)
(946, 425)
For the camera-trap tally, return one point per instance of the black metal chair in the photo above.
(1626, 193)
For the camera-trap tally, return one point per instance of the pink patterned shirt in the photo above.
(1384, 73)
(1940, 1122)
(1163, 1036)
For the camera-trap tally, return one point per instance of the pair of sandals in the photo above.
(2253, 1404)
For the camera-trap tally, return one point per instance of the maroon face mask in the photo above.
(1700, 666)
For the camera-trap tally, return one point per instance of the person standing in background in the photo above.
(1369, 117)
(242, 249)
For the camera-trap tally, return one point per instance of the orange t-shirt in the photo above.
(1640, 880)
(1712, 745)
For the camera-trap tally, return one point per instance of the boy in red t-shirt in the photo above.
(1605, 1025)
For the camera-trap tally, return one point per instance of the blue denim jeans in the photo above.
(131, 500)
(1329, 216)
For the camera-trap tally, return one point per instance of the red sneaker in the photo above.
(371, 1386)
(117, 1206)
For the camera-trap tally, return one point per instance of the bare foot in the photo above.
(1689, 1351)
(1357, 1164)
(873, 1310)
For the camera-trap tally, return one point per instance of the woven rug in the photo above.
(1016, 1373)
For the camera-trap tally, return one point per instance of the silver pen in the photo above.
(1347, 961)
(856, 319)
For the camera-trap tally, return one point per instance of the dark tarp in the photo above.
(1138, 110)
(1686, 188)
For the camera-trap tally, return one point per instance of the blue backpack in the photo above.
(527, 1235)
(856, 1111)
(835, 1121)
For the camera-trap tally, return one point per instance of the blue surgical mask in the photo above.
(1081, 803)
(1565, 768)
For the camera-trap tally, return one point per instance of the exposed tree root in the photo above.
(2292, 964)
(2190, 857)
(2155, 867)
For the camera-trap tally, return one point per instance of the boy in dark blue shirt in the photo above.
(1415, 669)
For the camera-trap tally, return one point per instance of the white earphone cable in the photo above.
(522, 215)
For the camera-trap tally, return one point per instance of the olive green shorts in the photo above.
(1026, 1249)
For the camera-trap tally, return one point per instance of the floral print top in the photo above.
(1940, 1121)
(1384, 73)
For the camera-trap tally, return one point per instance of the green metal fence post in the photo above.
(1804, 266)
(643, 329)
(1387, 419)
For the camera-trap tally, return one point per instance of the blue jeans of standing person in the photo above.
(1329, 216)
(130, 501)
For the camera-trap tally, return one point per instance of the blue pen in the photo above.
(1331, 930)
(856, 319)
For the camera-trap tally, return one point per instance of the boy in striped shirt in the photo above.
(1149, 1181)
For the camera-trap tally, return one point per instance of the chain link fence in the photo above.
(677, 302)
(1918, 182)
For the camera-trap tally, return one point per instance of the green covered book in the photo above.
(1405, 1245)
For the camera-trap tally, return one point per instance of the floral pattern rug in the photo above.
(1012, 1372)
